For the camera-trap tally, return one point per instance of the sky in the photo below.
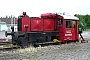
(37, 7)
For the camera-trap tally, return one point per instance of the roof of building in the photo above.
(8, 20)
(2, 22)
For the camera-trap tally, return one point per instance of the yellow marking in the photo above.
(55, 40)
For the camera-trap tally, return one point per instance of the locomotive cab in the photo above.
(68, 30)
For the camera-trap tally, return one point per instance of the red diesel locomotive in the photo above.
(49, 28)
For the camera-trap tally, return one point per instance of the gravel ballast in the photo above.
(70, 51)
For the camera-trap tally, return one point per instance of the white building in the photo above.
(3, 26)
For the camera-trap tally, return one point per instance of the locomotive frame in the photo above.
(47, 29)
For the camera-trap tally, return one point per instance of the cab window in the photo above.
(60, 21)
(68, 24)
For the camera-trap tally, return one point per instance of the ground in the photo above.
(70, 51)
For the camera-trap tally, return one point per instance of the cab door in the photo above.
(68, 30)
(70, 33)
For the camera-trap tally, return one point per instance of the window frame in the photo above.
(60, 21)
(73, 24)
(70, 23)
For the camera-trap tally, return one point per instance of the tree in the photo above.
(85, 19)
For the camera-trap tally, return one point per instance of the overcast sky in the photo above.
(36, 7)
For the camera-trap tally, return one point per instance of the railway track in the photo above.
(5, 43)
(4, 46)
(8, 48)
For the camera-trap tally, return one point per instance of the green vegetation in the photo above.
(84, 21)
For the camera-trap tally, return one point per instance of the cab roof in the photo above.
(70, 17)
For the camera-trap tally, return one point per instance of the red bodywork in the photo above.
(36, 24)
(26, 21)
(49, 24)
(50, 15)
(48, 21)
